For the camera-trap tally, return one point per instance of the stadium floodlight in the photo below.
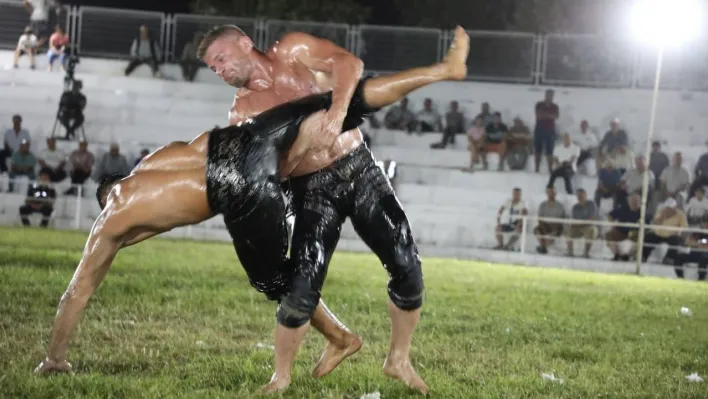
(661, 24)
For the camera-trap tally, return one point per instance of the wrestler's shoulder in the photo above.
(290, 42)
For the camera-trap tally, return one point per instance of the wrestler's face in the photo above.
(230, 58)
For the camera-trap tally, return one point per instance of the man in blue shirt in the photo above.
(608, 182)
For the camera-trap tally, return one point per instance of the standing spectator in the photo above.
(11, 143)
(22, 164)
(485, 114)
(630, 214)
(189, 63)
(475, 139)
(546, 232)
(583, 210)
(668, 216)
(39, 18)
(675, 180)
(588, 143)
(608, 182)
(565, 156)
(57, 47)
(71, 109)
(428, 119)
(496, 135)
(399, 117)
(454, 124)
(112, 162)
(547, 113)
(698, 242)
(517, 208)
(700, 174)
(81, 165)
(27, 44)
(143, 153)
(658, 161)
(697, 207)
(40, 199)
(144, 50)
(614, 139)
(52, 161)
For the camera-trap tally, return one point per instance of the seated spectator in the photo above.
(39, 18)
(698, 242)
(57, 47)
(71, 109)
(667, 216)
(428, 119)
(475, 140)
(12, 140)
(700, 174)
(189, 63)
(658, 161)
(112, 162)
(485, 114)
(495, 140)
(697, 207)
(546, 232)
(565, 157)
(40, 199)
(632, 182)
(52, 161)
(454, 124)
(27, 44)
(144, 50)
(22, 163)
(517, 208)
(81, 161)
(614, 139)
(675, 180)
(400, 117)
(520, 136)
(587, 140)
(143, 153)
(583, 210)
(608, 182)
(623, 159)
(630, 214)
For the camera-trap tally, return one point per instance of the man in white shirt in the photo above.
(12, 140)
(675, 180)
(53, 161)
(26, 45)
(516, 208)
(565, 158)
(588, 142)
(39, 18)
(697, 207)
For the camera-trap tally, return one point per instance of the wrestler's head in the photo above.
(105, 187)
(229, 52)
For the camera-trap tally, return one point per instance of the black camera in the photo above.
(71, 61)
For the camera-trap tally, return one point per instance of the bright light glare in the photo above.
(668, 22)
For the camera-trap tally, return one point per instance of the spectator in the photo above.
(39, 18)
(517, 208)
(614, 139)
(11, 143)
(658, 161)
(630, 214)
(52, 161)
(144, 50)
(143, 153)
(583, 210)
(519, 136)
(81, 165)
(565, 157)
(675, 180)
(547, 113)
(700, 174)
(22, 164)
(698, 242)
(485, 114)
(400, 117)
(57, 47)
(454, 124)
(633, 180)
(697, 207)
(113, 162)
(27, 44)
(475, 139)
(428, 119)
(40, 199)
(624, 159)
(608, 182)
(189, 63)
(71, 109)
(495, 138)
(546, 232)
(588, 143)
(667, 216)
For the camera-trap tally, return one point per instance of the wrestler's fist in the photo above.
(50, 367)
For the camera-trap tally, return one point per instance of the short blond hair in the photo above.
(216, 33)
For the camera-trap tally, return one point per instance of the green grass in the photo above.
(487, 331)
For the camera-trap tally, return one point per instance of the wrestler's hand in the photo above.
(51, 367)
(323, 129)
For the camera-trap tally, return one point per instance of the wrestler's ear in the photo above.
(245, 44)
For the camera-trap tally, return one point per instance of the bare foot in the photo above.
(404, 372)
(334, 354)
(455, 61)
(276, 384)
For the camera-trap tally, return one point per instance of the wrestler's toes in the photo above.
(334, 354)
(276, 384)
(405, 372)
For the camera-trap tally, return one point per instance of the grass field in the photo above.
(178, 319)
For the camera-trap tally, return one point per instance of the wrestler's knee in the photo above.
(297, 307)
(405, 288)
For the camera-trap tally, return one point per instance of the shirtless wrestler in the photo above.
(237, 162)
(330, 184)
